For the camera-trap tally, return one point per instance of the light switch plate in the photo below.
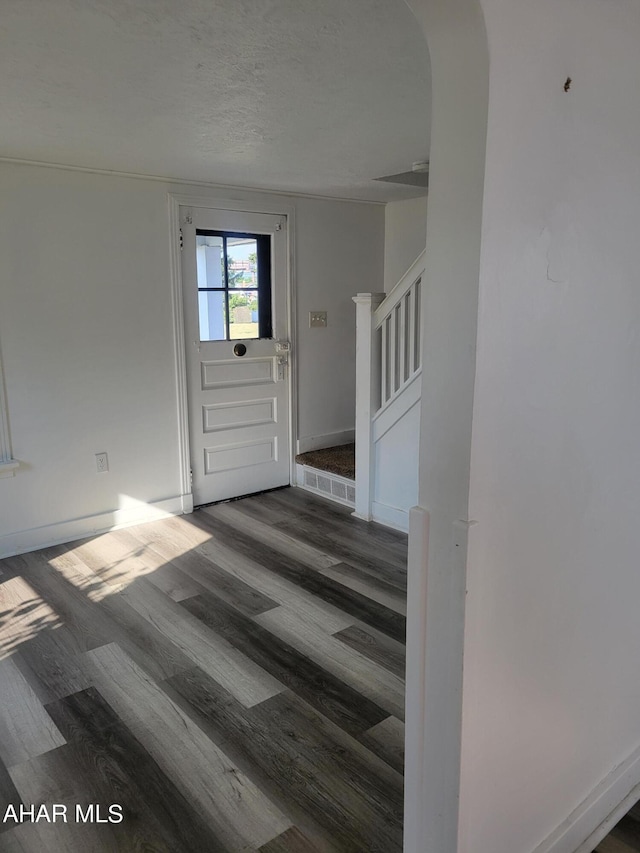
(317, 319)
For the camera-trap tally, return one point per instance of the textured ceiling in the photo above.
(315, 96)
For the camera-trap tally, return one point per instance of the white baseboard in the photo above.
(599, 812)
(80, 528)
(391, 516)
(329, 439)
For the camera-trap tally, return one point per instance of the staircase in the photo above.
(388, 368)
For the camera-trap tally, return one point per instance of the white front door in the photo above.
(234, 272)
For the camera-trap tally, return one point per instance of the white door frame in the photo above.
(258, 204)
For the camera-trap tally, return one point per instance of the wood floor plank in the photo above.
(240, 675)
(386, 739)
(240, 814)
(255, 507)
(187, 536)
(339, 522)
(306, 760)
(61, 777)
(22, 839)
(269, 535)
(26, 730)
(95, 614)
(114, 767)
(70, 606)
(359, 546)
(120, 558)
(331, 522)
(44, 695)
(375, 646)
(205, 573)
(362, 674)
(33, 633)
(323, 588)
(374, 588)
(51, 658)
(291, 841)
(611, 844)
(361, 555)
(9, 796)
(328, 694)
(304, 503)
(24, 612)
(627, 831)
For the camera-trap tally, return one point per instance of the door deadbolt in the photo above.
(239, 349)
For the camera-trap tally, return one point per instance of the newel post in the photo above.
(368, 358)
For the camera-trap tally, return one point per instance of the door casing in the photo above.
(257, 204)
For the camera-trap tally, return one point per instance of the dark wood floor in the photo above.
(625, 836)
(232, 679)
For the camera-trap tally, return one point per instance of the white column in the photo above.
(367, 394)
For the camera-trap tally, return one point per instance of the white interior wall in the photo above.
(87, 340)
(551, 706)
(405, 230)
(339, 253)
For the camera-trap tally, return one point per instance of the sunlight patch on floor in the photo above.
(23, 615)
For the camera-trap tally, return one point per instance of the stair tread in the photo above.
(339, 460)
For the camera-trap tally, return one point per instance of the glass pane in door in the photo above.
(212, 315)
(243, 314)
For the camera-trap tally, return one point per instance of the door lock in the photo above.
(282, 361)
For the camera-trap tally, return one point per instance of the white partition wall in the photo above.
(530, 726)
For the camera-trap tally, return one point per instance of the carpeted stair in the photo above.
(340, 460)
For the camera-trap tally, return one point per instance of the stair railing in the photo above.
(388, 352)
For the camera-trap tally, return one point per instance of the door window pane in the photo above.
(242, 262)
(212, 315)
(210, 261)
(243, 314)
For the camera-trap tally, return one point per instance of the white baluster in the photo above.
(417, 326)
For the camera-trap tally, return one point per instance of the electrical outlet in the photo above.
(102, 463)
(317, 319)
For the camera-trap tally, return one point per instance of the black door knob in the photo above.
(239, 349)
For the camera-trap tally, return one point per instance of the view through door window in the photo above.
(234, 285)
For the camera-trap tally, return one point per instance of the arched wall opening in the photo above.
(457, 44)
